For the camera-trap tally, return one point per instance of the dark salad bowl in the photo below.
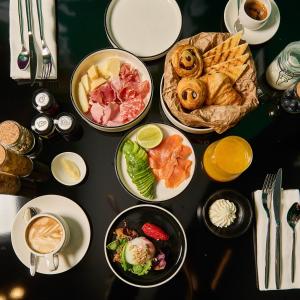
(174, 248)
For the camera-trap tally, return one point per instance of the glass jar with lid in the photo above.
(9, 184)
(15, 164)
(285, 68)
(16, 137)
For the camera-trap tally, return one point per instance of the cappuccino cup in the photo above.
(45, 235)
(253, 14)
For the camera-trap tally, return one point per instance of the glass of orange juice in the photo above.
(226, 159)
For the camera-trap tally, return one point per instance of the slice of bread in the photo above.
(230, 43)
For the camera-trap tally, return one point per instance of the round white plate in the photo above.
(145, 28)
(99, 57)
(60, 174)
(162, 193)
(80, 232)
(253, 37)
(174, 121)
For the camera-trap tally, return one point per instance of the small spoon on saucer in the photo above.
(237, 24)
(28, 214)
(293, 216)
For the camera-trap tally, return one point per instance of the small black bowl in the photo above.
(175, 248)
(244, 214)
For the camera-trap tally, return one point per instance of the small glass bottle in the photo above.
(43, 125)
(9, 184)
(67, 125)
(285, 68)
(13, 163)
(290, 100)
(44, 102)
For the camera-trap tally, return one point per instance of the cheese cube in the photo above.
(92, 72)
(86, 82)
(95, 83)
(83, 100)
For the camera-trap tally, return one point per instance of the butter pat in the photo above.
(70, 168)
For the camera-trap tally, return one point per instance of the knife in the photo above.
(32, 53)
(276, 207)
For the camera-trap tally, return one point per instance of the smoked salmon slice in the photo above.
(169, 161)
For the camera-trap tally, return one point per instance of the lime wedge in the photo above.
(149, 136)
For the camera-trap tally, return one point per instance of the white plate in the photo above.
(80, 232)
(253, 37)
(174, 121)
(147, 28)
(162, 193)
(59, 173)
(99, 57)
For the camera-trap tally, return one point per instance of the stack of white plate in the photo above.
(148, 29)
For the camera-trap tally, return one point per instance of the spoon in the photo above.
(293, 216)
(28, 214)
(237, 24)
(23, 57)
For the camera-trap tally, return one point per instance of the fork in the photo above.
(266, 190)
(46, 54)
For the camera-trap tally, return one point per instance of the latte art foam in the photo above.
(44, 235)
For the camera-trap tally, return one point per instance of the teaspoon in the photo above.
(293, 216)
(28, 214)
(23, 57)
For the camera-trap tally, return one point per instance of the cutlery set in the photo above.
(272, 190)
(26, 57)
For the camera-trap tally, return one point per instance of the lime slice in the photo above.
(149, 136)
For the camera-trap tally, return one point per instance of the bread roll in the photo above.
(220, 90)
(187, 61)
(191, 93)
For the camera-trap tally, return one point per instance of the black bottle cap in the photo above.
(42, 100)
(65, 123)
(43, 125)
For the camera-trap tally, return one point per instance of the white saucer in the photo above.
(60, 174)
(79, 229)
(253, 37)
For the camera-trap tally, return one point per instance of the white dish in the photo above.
(79, 230)
(100, 56)
(145, 28)
(162, 193)
(60, 174)
(253, 37)
(174, 121)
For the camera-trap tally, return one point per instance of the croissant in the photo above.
(191, 93)
(220, 90)
(187, 61)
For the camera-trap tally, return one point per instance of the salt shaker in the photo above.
(285, 68)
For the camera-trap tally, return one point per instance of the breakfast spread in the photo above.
(222, 213)
(112, 93)
(136, 253)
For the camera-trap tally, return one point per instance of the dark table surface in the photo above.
(275, 143)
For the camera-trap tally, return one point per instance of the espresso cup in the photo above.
(45, 235)
(250, 7)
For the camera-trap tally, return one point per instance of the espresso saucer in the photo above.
(253, 37)
(80, 232)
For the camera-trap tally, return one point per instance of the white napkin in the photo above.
(48, 8)
(288, 198)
